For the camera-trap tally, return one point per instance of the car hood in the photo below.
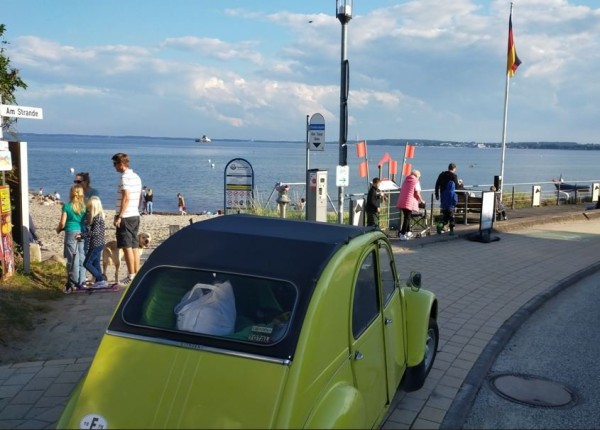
(140, 384)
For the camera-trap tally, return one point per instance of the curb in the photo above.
(461, 405)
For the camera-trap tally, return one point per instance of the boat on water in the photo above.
(204, 139)
(561, 185)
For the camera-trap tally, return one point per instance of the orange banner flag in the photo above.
(363, 169)
(406, 169)
(393, 167)
(361, 149)
(409, 151)
(386, 157)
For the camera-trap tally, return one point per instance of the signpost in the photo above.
(21, 112)
(316, 133)
(315, 141)
(239, 186)
(15, 111)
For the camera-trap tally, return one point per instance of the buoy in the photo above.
(72, 170)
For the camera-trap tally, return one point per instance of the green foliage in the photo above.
(10, 80)
(25, 296)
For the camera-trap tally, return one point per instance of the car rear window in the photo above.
(224, 305)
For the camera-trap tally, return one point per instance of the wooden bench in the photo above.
(468, 203)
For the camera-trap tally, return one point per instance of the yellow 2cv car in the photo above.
(255, 322)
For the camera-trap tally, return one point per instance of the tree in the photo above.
(9, 79)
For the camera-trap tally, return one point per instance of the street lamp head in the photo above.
(343, 10)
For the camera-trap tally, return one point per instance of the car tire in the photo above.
(414, 377)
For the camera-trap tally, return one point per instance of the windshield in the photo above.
(204, 303)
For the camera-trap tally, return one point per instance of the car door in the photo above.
(367, 341)
(393, 318)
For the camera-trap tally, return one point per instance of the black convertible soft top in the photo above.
(290, 250)
(262, 246)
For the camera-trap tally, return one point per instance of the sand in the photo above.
(47, 214)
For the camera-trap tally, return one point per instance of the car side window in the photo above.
(365, 307)
(387, 272)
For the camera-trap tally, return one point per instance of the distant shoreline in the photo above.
(375, 142)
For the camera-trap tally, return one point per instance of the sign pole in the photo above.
(306, 178)
(2, 137)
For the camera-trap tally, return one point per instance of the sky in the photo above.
(255, 69)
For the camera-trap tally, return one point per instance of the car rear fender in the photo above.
(342, 407)
(63, 422)
(419, 307)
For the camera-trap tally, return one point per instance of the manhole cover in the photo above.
(532, 390)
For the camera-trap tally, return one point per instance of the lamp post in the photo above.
(343, 11)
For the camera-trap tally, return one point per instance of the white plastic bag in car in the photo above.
(207, 309)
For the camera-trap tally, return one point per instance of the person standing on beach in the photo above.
(72, 221)
(148, 198)
(373, 203)
(143, 201)
(445, 187)
(95, 233)
(127, 214)
(83, 179)
(181, 204)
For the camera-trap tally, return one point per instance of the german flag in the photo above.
(513, 60)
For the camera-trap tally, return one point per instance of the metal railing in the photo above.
(514, 196)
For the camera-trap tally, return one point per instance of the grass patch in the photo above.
(23, 296)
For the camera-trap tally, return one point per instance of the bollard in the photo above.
(283, 198)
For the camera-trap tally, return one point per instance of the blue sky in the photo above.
(427, 69)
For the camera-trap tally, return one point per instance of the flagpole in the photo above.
(512, 62)
(504, 135)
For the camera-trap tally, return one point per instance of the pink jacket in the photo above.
(407, 199)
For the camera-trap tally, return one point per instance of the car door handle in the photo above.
(388, 321)
(358, 355)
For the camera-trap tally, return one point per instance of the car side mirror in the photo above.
(414, 281)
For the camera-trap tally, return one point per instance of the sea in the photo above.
(178, 165)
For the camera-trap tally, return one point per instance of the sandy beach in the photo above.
(46, 216)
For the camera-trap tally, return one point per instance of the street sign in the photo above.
(342, 176)
(239, 186)
(21, 112)
(316, 133)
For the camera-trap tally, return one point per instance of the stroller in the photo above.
(419, 223)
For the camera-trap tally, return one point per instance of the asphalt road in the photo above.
(559, 343)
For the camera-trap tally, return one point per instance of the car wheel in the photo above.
(415, 376)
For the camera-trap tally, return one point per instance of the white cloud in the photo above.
(411, 64)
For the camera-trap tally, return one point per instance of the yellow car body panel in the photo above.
(419, 306)
(176, 388)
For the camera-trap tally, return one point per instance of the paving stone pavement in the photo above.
(479, 287)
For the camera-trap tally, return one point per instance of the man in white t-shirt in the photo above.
(127, 215)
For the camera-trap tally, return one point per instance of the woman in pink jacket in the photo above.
(408, 201)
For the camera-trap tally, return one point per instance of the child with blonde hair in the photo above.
(95, 234)
(72, 222)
